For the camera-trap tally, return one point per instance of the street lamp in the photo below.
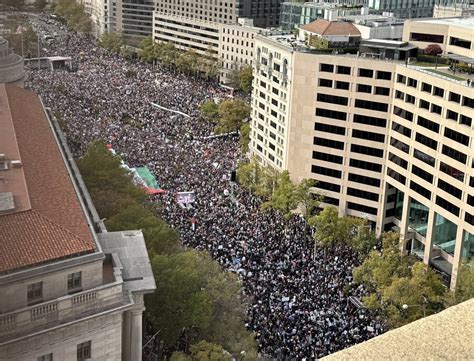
(423, 306)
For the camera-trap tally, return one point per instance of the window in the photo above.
(436, 109)
(343, 70)
(428, 124)
(342, 85)
(363, 134)
(412, 82)
(468, 102)
(362, 194)
(331, 200)
(426, 87)
(384, 75)
(401, 79)
(397, 176)
(366, 73)
(427, 38)
(74, 281)
(405, 114)
(420, 190)
(424, 104)
(362, 208)
(456, 136)
(462, 43)
(330, 128)
(333, 114)
(364, 88)
(454, 97)
(328, 186)
(401, 129)
(35, 293)
(328, 143)
(450, 189)
(328, 68)
(451, 171)
(447, 205)
(465, 120)
(333, 99)
(399, 94)
(379, 90)
(362, 149)
(418, 154)
(325, 83)
(48, 357)
(84, 351)
(374, 121)
(438, 92)
(454, 154)
(326, 171)
(397, 160)
(452, 115)
(362, 164)
(327, 157)
(399, 145)
(374, 182)
(366, 104)
(422, 174)
(409, 99)
(429, 142)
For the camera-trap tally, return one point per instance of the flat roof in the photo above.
(467, 23)
(447, 335)
(47, 222)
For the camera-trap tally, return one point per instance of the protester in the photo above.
(298, 294)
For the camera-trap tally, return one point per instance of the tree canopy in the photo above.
(75, 15)
(112, 41)
(232, 113)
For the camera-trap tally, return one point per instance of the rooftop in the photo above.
(467, 23)
(446, 335)
(327, 28)
(45, 221)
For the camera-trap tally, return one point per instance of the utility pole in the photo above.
(39, 64)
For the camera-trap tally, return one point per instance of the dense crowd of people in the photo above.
(298, 293)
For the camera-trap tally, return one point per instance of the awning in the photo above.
(460, 58)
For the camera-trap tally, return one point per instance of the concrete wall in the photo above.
(14, 295)
(105, 332)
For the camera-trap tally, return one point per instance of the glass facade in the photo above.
(444, 235)
(398, 204)
(467, 252)
(418, 217)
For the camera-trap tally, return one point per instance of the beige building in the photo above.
(463, 10)
(386, 141)
(453, 35)
(236, 47)
(70, 289)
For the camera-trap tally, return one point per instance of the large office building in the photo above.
(404, 9)
(70, 289)
(386, 141)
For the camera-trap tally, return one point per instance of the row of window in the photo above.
(362, 72)
(84, 352)
(35, 290)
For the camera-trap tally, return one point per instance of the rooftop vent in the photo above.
(7, 202)
(16, 164)
(3, 165)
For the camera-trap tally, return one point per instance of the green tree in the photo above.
(209, 110)
(109, 184)
(464, 283)
(232, 113)
(195, 300)
(167, 54)
(148, 50)
(234, 76)
(245, 79)
(244, 139)
(394, 280)
(318, 42)
(112, 41)
(180, 356)
(283, 195)
(256, 178)
(206, 351)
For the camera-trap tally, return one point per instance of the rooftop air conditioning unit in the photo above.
(3, 165)
(16, 164)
